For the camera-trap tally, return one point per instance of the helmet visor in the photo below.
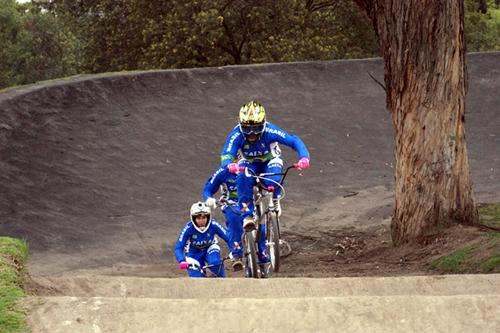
(252, 129)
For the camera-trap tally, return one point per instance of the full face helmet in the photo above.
(197, 209)
(252, 120)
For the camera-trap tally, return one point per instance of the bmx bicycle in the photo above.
(266, 213)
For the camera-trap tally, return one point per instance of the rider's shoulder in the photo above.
(222, 174)
(220, 171)
(235, 130)
(234, 135)
(274, 129)
(186, 230)
(215, 223)
(272, 125)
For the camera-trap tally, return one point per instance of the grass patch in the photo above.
(491, 265)
(489, 214)
(453, 262)
(482, 256)
(13, 255)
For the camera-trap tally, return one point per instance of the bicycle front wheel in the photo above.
(273, 240)
(251, 264)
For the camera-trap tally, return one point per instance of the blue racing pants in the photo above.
(234, 223)
(200, 258)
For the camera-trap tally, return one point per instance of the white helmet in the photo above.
(200, 208)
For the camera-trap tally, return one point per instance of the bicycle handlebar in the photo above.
(270, 188)
(264, 174)
(205, 267)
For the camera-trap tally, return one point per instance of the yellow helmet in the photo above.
(252, 120)
(252, 113)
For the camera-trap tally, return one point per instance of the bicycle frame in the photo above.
(265, 213)
(263, 196)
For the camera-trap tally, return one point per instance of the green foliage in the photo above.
(35, 45)
(48, 48)
(156, 34)
(10, 34)
(13, 255)
(482, 26)
(72, 36)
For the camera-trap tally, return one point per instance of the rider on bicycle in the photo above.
(256, 141)
(225, 181)
(197, 246)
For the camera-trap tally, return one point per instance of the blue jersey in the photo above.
(263, 149)
(192, 240)
(221, 178)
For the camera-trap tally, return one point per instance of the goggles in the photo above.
(252, 129)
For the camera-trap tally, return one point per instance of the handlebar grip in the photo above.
(241, 168)
(194, 266)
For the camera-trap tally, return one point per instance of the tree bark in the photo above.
(422, 43)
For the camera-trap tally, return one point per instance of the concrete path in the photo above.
(462, 303)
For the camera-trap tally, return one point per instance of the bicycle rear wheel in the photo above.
(251, 265)
(273, 240)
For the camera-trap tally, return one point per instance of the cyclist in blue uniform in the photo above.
(197, 245)
(257, 141)
(225, 181)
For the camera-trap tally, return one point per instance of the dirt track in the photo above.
(97, 172)
(100, 170)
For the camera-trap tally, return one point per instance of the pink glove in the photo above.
(303, 163)
(183, 265)
(233, 167)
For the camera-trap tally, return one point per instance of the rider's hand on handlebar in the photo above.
(233, 167)
(302, 164)
(211, 202)
(183, 265)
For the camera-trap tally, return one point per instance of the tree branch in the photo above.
(377, 81)
(312, 6)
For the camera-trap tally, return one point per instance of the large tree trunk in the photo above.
(422, 45)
